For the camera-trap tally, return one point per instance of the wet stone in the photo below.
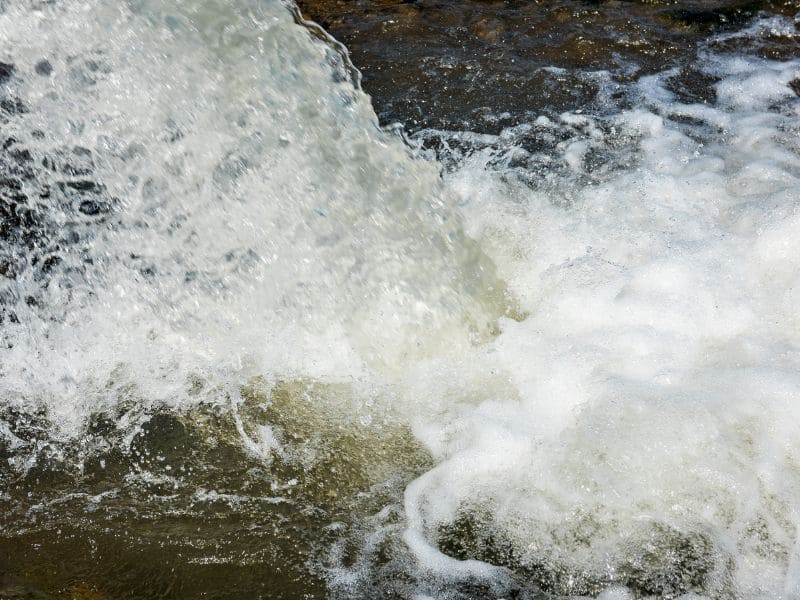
(664, 564)
(487, 65)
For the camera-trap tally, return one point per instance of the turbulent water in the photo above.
(253, 345)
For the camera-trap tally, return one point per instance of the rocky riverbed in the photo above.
(485, 65)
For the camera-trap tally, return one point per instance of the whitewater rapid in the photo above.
(589, 323)
(656, 377)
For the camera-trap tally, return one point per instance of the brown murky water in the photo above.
(181, 511)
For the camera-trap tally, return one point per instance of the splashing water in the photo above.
(568, 366)
(252, 212)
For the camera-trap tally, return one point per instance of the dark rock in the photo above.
(483, 65)
(668, 563)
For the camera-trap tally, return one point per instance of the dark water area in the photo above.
(483, 66)
(180, 511)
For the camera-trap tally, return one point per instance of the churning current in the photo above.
(252, 345)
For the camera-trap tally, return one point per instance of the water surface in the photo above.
(544, 342)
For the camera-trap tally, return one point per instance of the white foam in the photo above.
(654, 386)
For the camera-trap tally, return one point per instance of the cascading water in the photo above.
(255, 346)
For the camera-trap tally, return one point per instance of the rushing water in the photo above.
(253, 345)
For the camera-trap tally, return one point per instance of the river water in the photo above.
(544, 342)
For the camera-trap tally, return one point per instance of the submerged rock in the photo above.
(485, 65)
